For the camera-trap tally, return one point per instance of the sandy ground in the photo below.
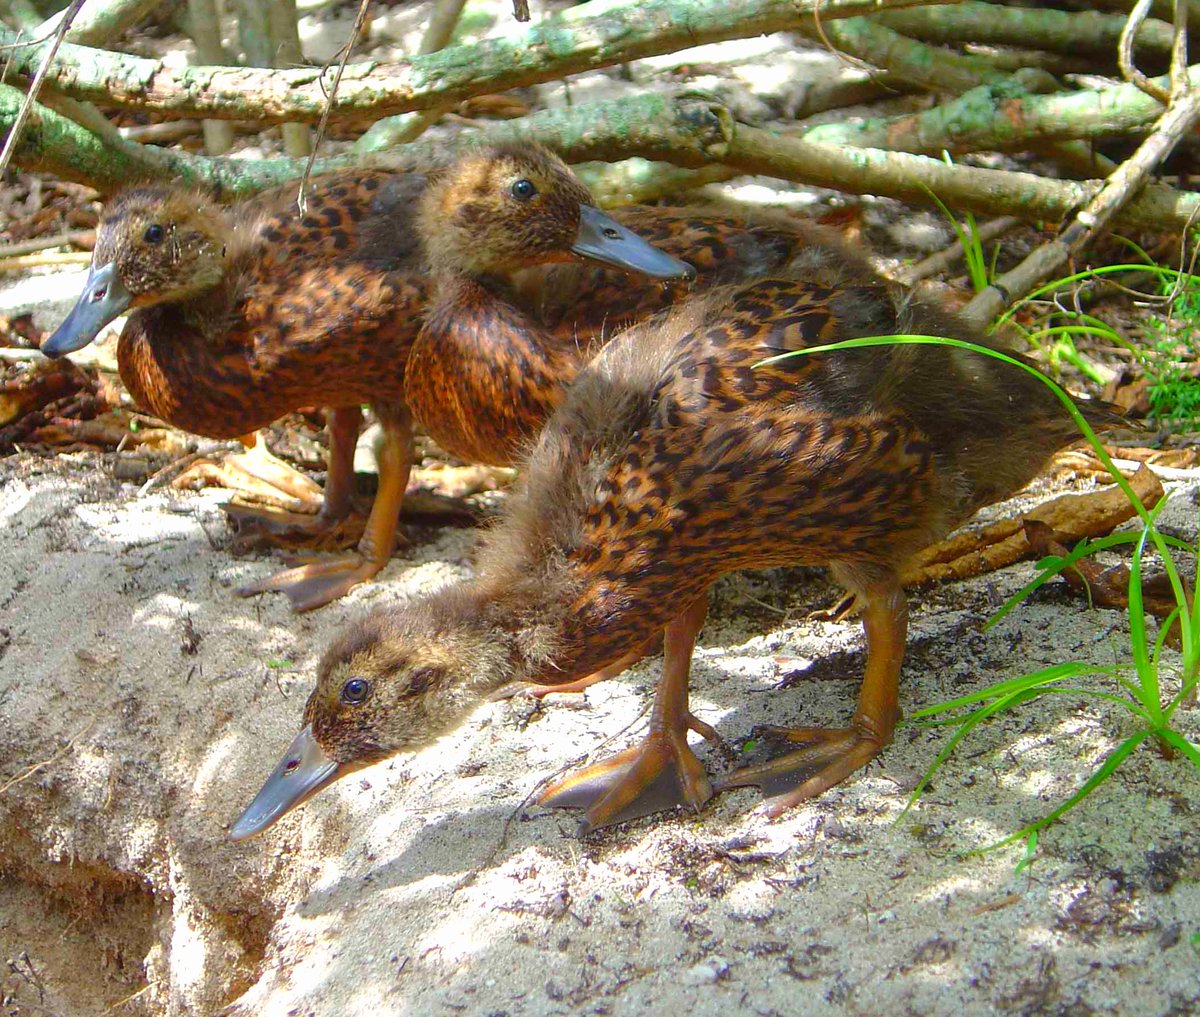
(155, 702)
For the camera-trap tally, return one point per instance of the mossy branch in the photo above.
(1069, 32)
(600, 33)
(1004, 117)
(100, 21)
(686, 130)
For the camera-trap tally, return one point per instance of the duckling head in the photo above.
(499, 209)
(154, 245)
(395, 682)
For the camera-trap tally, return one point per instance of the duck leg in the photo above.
(662, 771)
(319, 582)
(334, 525)
(829, 755)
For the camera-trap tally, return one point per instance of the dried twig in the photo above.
(360, 19)
(34, 768)
(14, 132)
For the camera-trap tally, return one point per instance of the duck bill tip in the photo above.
(304, 770)
(602, 239)
(104, 298)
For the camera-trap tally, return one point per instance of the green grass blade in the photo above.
(1046, 676)
(1111, 762)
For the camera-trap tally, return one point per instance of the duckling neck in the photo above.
(554, 623)
(482, 376)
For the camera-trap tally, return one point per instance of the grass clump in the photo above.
(1136, 683)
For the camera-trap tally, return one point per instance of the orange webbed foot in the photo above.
(319, 582)
(660, 773)
(827, 757)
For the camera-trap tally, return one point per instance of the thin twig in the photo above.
(359, 20)
(29, 771)
(45, 243)
(128, 999)
(1129, 69)
(14, 135)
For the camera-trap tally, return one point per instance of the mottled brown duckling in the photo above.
(674, 459)
(499, 347)
(237, 316)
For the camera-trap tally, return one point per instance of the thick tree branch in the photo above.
(1058, 31)
(596, 34)
(945, 71)
(100, 22)
(688, 131)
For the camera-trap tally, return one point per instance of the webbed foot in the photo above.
(827, 757)
(660, 773)
(318, 582)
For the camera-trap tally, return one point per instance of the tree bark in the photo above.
(600, 33)
(687, 131)
(991, 24)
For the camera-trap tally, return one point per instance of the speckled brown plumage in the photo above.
(495, 357)
(674, 459)
(314, 310)
(237, 316)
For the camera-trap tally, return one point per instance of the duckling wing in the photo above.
(366, 217)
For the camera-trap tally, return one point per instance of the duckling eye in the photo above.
(523, 190)
(153, 234)
(355, 691)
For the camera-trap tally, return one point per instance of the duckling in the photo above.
(499, 347)
(238, 316)
(678, 456)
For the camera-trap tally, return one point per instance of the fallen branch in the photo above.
(992, 24)
(1001, 118)
(945, 71)
(101, 21)
(593, 35)
(688, 131)
(1130, 178)
(39, 76)
(1071, 517)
